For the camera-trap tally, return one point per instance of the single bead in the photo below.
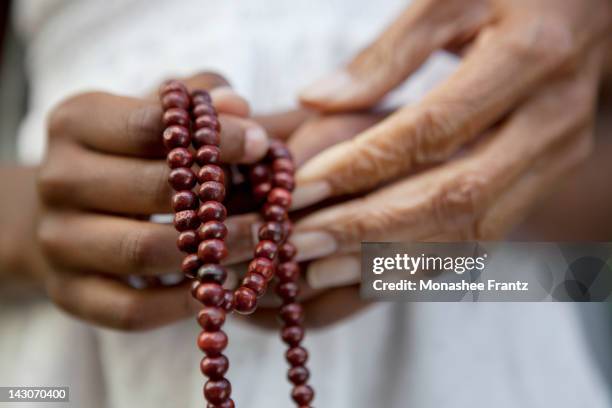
(190, 266)
(263, 267)
(214, 273)
(226, 404)
(274, 213)
(211, 172)
(176, 136)
(292, 314)
(256, 283)
(182, 179)
(292, 335)
(212, 251)
(217, 391)
(206, 137)
(211, 318)
(200, 96)
(283, 165)
(286, 252)
(207, 121)
(288, 271)
(298, 375)
(245, 300)
(278, 150)
(175, 99)
(302, 394)
(200, 109)
(176, 116)
(228, 301)
(194, 287)
(280, 196)
(288, 291)
(211, 191)
(212, 229)
(209, 294)
(296, 356)
(179, 157)
(172, 85)
(261, 191)
(212, 211)
(187, 241)
(260, 173)
(272, 231)
(283, 180)
(266, 249)
(214, 367)
(208, 155)
(186, 220)
(184, 200)
(212, 343)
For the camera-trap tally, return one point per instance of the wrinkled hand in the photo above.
(509, 123)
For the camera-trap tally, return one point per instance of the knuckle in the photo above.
(142, 123)
(131, 314)
(137, 249)
(51, 181)
(65, 113)
(457, 205)
(433, 132)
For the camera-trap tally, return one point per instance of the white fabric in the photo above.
(391, 355)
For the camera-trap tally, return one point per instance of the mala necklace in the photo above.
(190, 120)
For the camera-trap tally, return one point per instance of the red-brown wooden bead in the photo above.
(209, 294)
(211, 172)
(184, 200)
(283, 180)
(292, 314)
(206, 136)
(256, 283)
(280, 196)
(288, 291)
(260, 173)
(208, 155)
(207, 122)
(190, 266)
(266, 249)
(175, 99)
(212, 230)
(214, 367)
(214, 273)
(245, 300)
(288, 271)
(298, 375)
(187, 241)
(176, 116)
(179, 157)
(211, 318)
(176, 136)
(302, 394)
(287, 251)
(182, 179)
(274, 213)
(283, 165)
(262, 266)
(261, 191)
(296, 356)
(228, 301)
(186, 220)
(278, 150)
(172, 85)
(201, 96)
(200, 109)
(292, 335)
(227, 404)
(211, 191)
(212, 211)
(212, 343)
(271, 231)
(217, 391)
(212, 251)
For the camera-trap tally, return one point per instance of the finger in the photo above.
(334, 271)
(109, 303)
(121, 247)
(130, 126)
(424, 27)
(281, 125)
(472, 99)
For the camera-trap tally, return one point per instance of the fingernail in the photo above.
(310, 193)
(313, 244)
(333, 272)
(327, 88)
(255, 144)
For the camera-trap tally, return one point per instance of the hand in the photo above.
(104, 175)
(513, 119)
